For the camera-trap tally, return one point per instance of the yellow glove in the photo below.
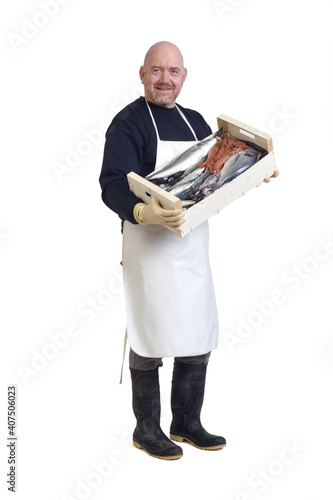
(137, 212)
(153, 213)
(268, 179)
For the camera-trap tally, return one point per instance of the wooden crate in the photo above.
(223, 196)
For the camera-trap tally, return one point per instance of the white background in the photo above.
(269, 386)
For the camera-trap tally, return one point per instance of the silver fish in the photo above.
(210, 181)
(187, 203)
(237, 164)
(192, 187)
(192, 176)
(191, 157)
(181, 189)
(233, 167)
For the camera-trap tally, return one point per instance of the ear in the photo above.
(184, 75)
(142, 73)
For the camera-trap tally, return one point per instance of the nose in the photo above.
(165, 75)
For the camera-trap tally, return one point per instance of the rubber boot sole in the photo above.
(140, 447)
(181, 439)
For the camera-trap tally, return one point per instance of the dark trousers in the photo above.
(138, 362)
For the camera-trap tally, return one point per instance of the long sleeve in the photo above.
(121, 156)
(130, 146)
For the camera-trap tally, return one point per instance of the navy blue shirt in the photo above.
(131, 144)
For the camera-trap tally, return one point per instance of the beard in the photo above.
(162, 100)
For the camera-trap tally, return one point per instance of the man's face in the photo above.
(163, 75)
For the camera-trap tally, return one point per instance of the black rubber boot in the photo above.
(187, 394)
(148, 434)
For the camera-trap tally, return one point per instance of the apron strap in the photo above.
(181, 114)
(124, 352)
(186, 120)
(151, 114)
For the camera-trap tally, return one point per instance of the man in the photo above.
(170, 302)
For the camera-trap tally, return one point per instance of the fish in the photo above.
(193, 175)
(257, 148)
(210, 181)
(233, 167)
(191, 157)
(181, 190)
(237, 164)
(187, 203)
(194, 196)
(223, 158)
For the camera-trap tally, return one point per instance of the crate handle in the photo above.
(151, 196)
(245, 132)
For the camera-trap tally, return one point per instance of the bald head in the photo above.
(165, 47)
(163, 74)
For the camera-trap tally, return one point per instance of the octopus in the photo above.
(225, 148)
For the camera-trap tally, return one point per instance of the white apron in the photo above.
(169, 294)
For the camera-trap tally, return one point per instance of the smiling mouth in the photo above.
(163, 89)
